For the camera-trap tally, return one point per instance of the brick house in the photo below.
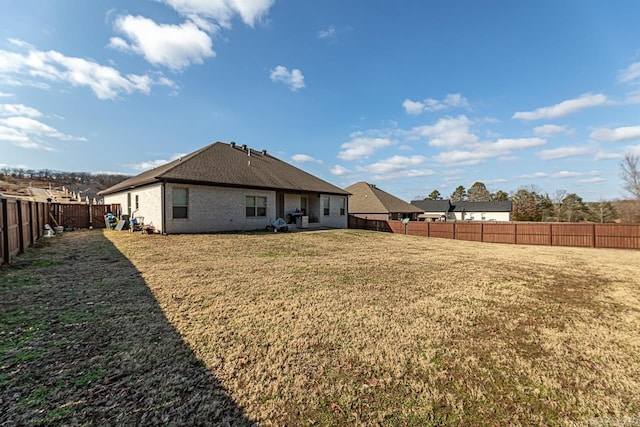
(224, 187)
(369, 202)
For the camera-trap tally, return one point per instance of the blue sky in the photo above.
(411, 96)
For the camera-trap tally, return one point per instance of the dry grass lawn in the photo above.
(348, 327)
(351, 327)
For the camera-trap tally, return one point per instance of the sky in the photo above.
(411, 96)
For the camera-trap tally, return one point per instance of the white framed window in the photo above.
(303, 205)
(256, 206)
(326, 204)
(180, 201)
(484, 216)
(343, 204)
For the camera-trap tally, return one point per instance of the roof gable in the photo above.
(231, 165)
(367, 198)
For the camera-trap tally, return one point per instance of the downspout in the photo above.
(164, 210)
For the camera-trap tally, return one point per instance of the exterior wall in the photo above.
(214, 209)
(292, 202)
(334, 219)
(149, 204)
(478, 216)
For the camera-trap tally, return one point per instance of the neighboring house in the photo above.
(444, 210)
(224, 187)
(434, 210)
(369, 202)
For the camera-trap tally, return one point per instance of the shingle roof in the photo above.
(367, 198)
(233, 166)
(494, 206)
(432, 205)
(447, 206)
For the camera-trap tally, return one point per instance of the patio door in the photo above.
(279, 204)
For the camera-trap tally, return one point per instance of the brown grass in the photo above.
(354, 327)
(347, 327)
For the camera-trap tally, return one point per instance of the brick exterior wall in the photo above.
(149, 204)
(214, 209)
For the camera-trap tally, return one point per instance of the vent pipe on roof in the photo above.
(264, 152)
(233, 144)
(244, 146)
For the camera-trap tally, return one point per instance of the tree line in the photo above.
(530, 203)
(58, 178)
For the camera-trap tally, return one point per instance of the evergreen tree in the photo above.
(435, 195)
(479, 193)
(459, 194)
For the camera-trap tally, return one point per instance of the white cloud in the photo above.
(628, 133)
(329, 33)
(451, 100)
(546, 131)
(482, 151)
(413, 107)
(222, 11)
(447, 132)
(397, 167)
(31, 126)
(566, 174)
(633, 149)
(5, 95)
(152, 164)
(565, 107)
(18, 110)
(172, 46)
(339, 170)
(106, 82)
(562, 152)
(304, 158)
(362, 148)
(294, 78)
(601, 155)
(594, 180)
(533, 175)
(630, 74)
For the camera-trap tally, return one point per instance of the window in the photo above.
(484, 216)
(471, 216)
(256, 206)
(343, 204)
(180, 198)
(326, 206)
(137, 204)
(129, 204)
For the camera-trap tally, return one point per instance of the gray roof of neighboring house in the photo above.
(230, 165)
(369, 199)
(447, 206)
(433, 205)
(495, 206)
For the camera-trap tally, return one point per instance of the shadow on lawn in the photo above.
(83, 341)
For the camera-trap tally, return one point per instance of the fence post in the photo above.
(454, 231)
(20, 227)
(550, 234)
(482, 231)
(593, 230)
(5, 229)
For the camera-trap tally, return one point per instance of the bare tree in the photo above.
(630, 174)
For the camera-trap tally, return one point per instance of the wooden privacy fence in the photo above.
(620, 236)
(22, 221)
